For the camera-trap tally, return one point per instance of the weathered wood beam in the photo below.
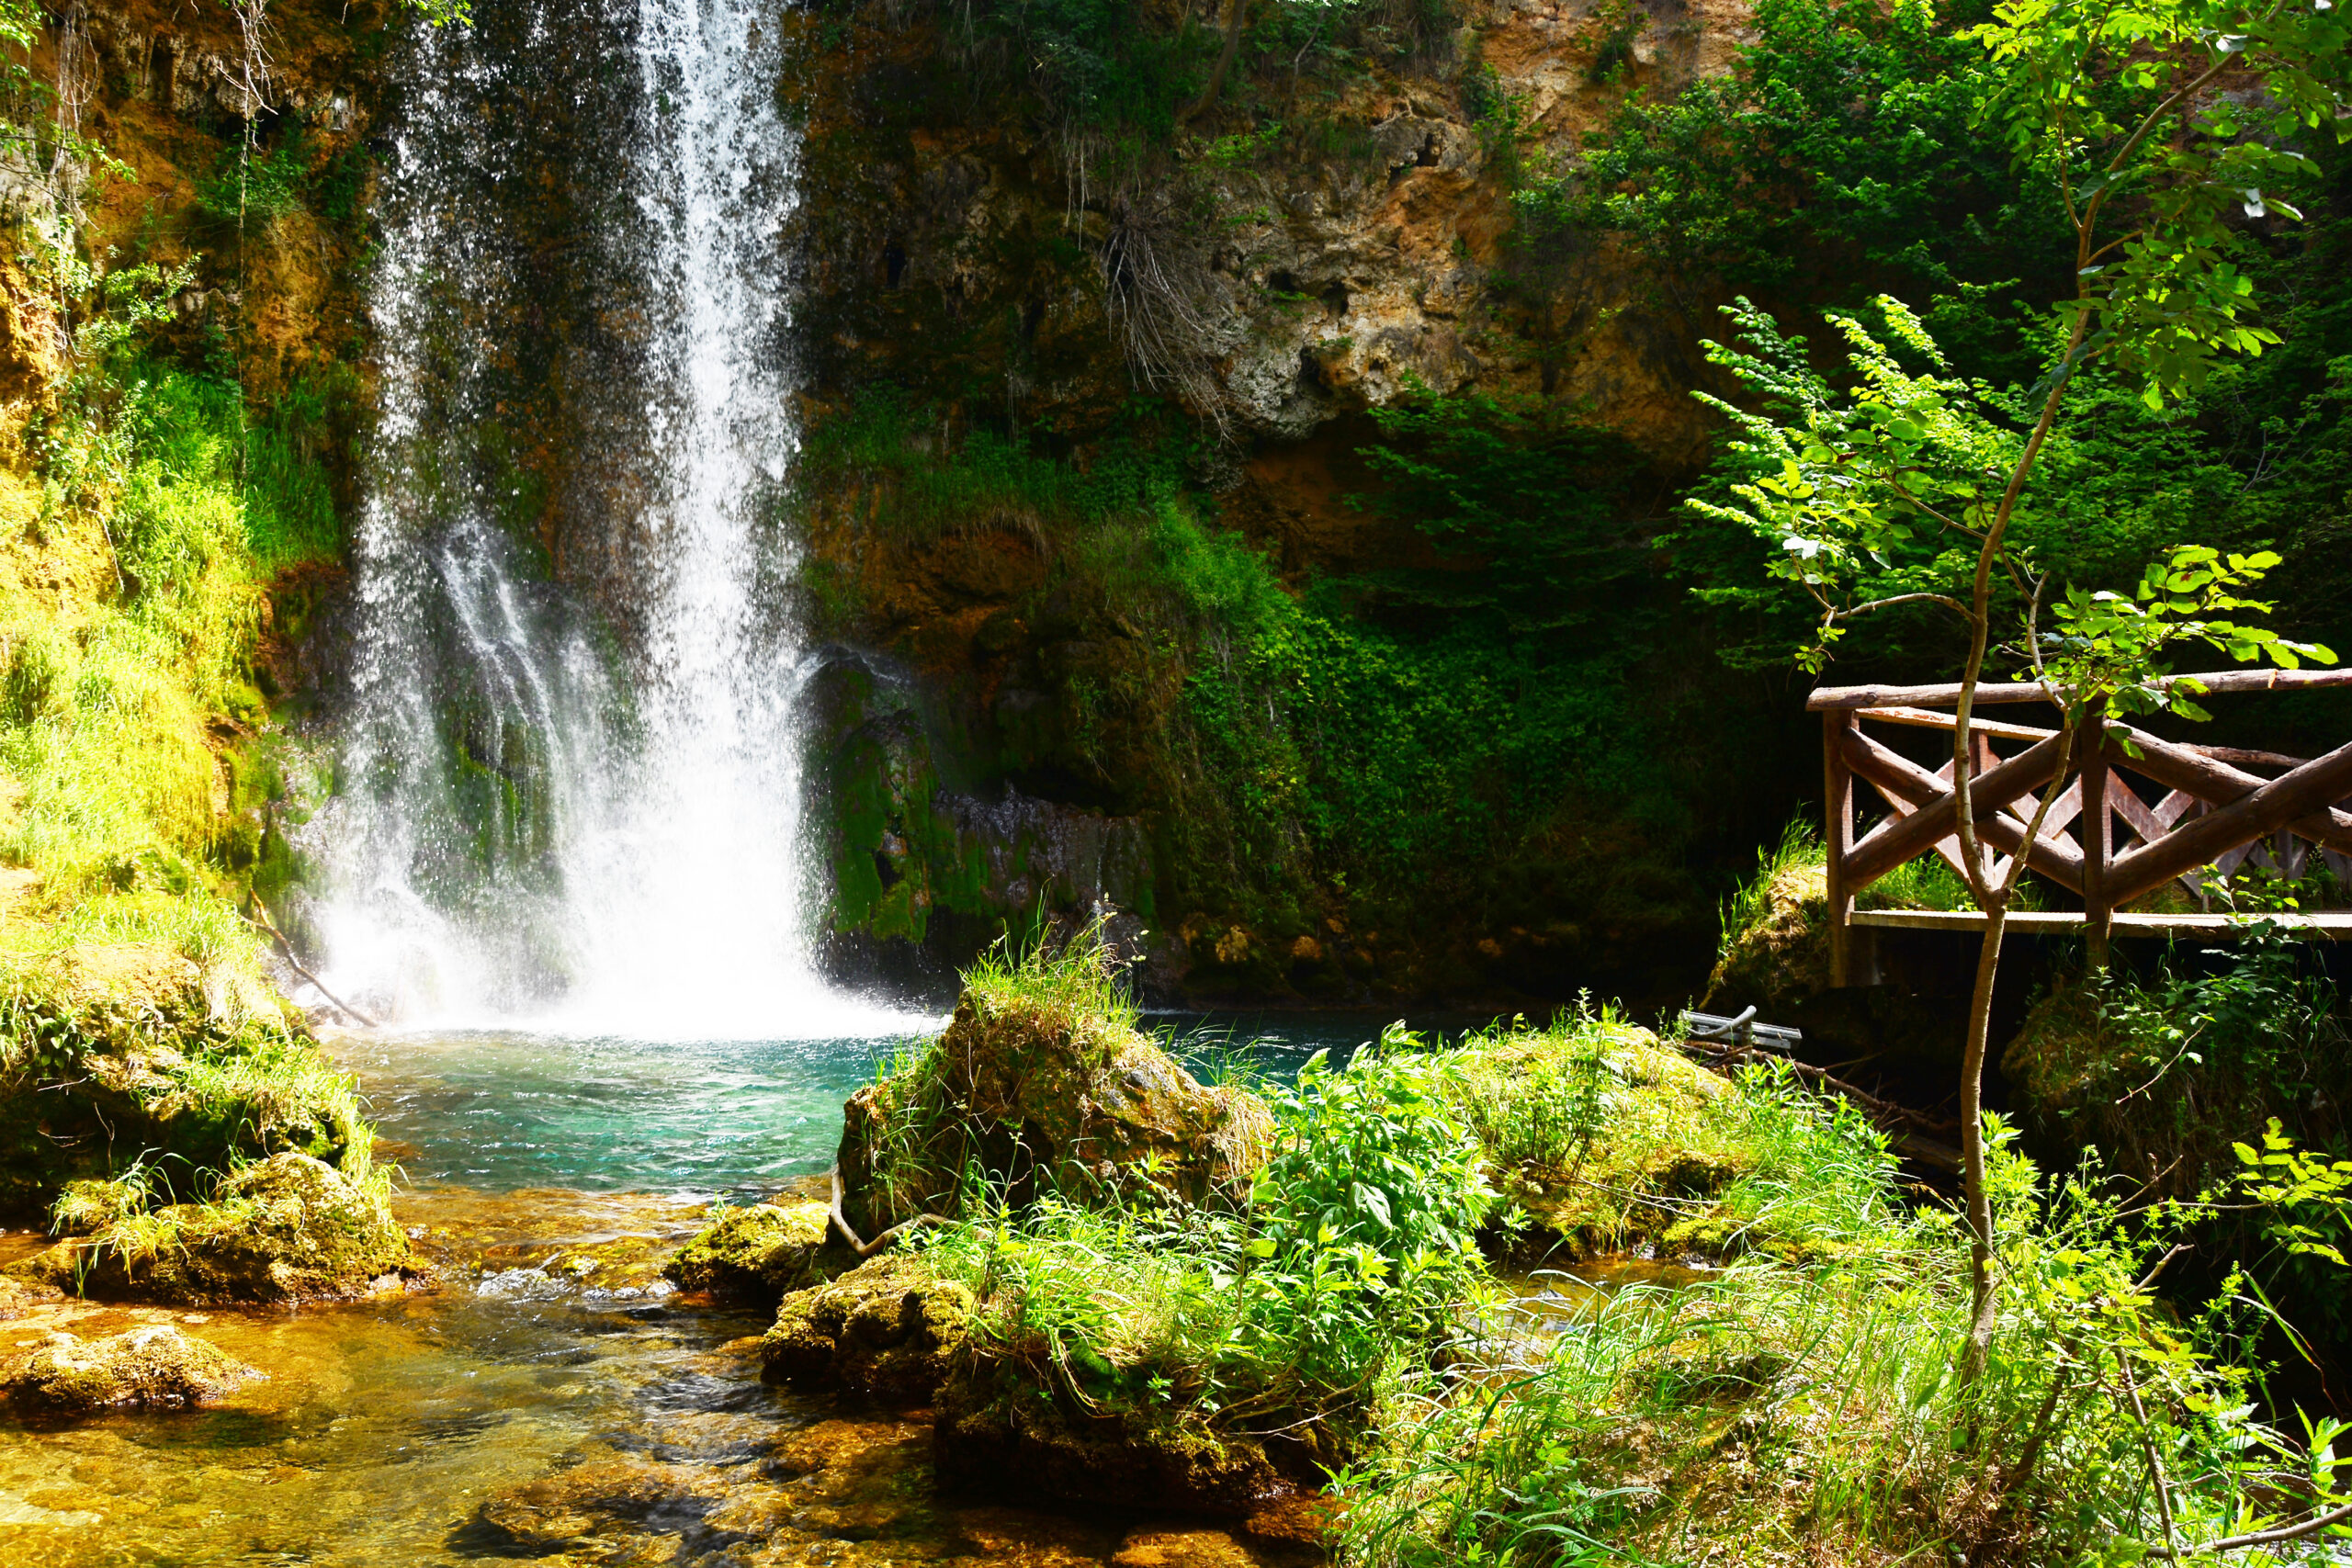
(1991, 692)
(1889, 844)
(1929, 719)
(2054, 857)
(1837, 804)
(2277, 804)
(2209, 779)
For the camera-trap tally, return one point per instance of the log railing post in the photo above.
(2096, 833)
(1838, 839)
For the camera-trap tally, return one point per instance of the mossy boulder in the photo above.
(1779, 959)
(998, 1430)
(1779, 963)
(886, 1331)
(113, 1050)
(1038, 1092)
(1607, 1139)
(290, 1228)
(152, 1366)
(761, 1253)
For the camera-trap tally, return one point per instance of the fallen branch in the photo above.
(287, 948)
(1913, 1131)
(2312, 1526)
(868, 1249)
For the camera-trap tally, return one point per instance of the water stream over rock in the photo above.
(570, 787)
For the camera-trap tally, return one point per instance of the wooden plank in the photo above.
(2238, 757)
(1837, 805)
(1827, 699)
(2097, 838)
(2181, 768)
(1927, 718)
(2054, 857)
(1990, 692)
(2281, 802)
(2333, 925)
(1890, 843)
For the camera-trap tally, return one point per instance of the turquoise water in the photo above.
(502, 1111)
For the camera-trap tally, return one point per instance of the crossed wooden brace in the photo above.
(2246, 807)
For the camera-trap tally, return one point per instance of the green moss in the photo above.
(289, 1228)
(759, 1253)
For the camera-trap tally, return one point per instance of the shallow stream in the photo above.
(554, 1400)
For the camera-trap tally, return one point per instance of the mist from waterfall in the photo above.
(567, 787)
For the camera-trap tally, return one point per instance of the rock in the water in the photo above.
(885, 1330)
(759, 1253)
(289, 1228)
(997, 1429)
(1038, 1093)
(152, 1366)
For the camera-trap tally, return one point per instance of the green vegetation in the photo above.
(2167, 1073)
(1789, 1385)
(1380, 733)
(1811, 1412)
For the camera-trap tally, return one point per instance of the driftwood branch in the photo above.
(261, 920)
(868, 1249)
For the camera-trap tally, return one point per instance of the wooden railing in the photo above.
(2103, 839)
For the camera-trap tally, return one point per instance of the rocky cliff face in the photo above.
(1275, 275)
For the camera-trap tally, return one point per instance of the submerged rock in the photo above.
(290, 1228)
(1035, 1091)
(760, 1253)
(886, 1331)
(157, 1365)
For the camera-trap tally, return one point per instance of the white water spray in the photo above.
(543, 820)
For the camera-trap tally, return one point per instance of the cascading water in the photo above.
(568, 783)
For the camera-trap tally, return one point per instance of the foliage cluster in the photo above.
(170, 516)
(1357, 1243)
(1379, 729)
(1813, 1413)
(2166, 1072)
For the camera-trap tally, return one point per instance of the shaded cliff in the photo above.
(1159, 454)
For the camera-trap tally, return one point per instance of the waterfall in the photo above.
(567, 784)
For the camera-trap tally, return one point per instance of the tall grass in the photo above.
(1799, 844)
(1074, 981)
(1810, 1414)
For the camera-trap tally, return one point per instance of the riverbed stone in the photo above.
(886, 1331)
(289, 1228)
(155, 1365)
(761, 1253)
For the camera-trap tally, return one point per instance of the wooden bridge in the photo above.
(2127, 822)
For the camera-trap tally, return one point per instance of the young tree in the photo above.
(2162, 126)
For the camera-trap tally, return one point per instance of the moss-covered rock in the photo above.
(1606, 1138)
(1034, 1090)
(1779, 959)
(760, 1253)
(113, 1054)
(884, 1331)
(156, 1365)
(997, 1429)
(288, 1229)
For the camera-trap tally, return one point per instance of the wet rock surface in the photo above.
(886, 1331)
(566, 1422)
(999, 1431)
(761, 1253)
(156, 1365)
